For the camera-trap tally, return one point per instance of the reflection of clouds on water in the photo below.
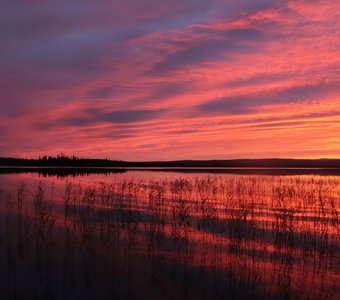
(157, 235)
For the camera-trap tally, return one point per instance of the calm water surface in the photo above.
(151, 235)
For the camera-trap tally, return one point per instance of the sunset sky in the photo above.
(166, 80)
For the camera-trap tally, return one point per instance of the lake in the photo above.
(169, 234)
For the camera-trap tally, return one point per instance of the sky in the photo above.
(166, 80)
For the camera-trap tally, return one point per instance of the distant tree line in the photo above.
(63, 160)
(60, 160)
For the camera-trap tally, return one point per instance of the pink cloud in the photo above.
(172, 83)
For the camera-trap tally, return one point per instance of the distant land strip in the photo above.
(72, 161)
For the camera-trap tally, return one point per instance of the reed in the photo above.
(243, 237)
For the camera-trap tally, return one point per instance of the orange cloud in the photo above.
(261, 82)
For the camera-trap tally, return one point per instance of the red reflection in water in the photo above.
(253, 237)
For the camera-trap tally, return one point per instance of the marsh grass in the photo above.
(199, 238)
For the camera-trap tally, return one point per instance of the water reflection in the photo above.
(86, 171)
(174, 236)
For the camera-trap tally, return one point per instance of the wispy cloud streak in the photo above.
(148, 79)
